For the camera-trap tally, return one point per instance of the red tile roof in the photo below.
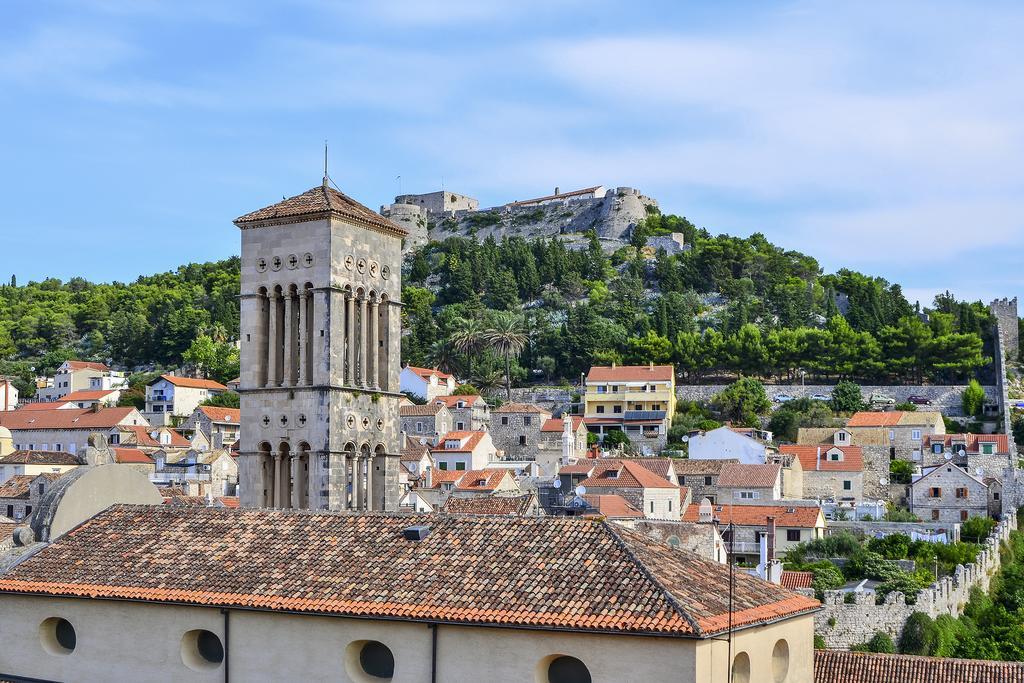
(418, 411)
(582, 466)
(687, 468)
(142, 437)
(512, 407)
(802, 516)
(793, 580)
(972, 442)
(481, 480)
(17, 486)
(318, 203)
(225, 415)
(125, 456)
(611, 505)
(87, 395)
(471, 439)
(625, 474)
(752, 476)
(39, 458)
(85, 365)
(69, 418)
(870, 418)
(812, 458)
(229, 501)
(840, 666)
(557, 424)
(453, 400)
(439, 476)
(512, 506)
(425, 373)
(630, 373)
(567, 573)
(43, 405)
(193, 383)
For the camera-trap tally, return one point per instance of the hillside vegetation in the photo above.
(516, 309)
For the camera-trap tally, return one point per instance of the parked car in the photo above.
(821, 397)
(882, 399)
(782, 398)
(919, 400)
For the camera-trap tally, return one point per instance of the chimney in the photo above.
(705, 512)
(650, 365)
(817, 460)
(771, 539)
(428, 478)
(556, 190)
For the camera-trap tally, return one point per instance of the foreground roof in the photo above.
(838, 666)
(504, 571)
(319, 203)
(488, 505)
(71, 418)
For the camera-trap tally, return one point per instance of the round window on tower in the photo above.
(385, 272)
(349, 261)
(361, 265)
(275, 263)
(307, 260)
(261, 265)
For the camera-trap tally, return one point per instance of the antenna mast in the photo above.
(325, 161)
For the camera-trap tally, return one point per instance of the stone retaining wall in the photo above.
(843, 625)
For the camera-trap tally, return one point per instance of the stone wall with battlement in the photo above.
(843, 624)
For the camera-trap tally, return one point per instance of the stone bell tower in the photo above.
(320, 330)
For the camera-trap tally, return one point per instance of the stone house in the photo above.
(32, 463)
(704, 540)
(835, 472)
(792, 474)
(745, 484)
(947, 493)
(20, 494)
(658, 498)
(984, 455)
(515, 430)
(463, 451)
(134, 458)
(638, 400)
(726, 443)
(905, 431)
(87, 398)
(76, 375)
(669, 610)
(198, 472)
(427, 383)
(170, 398)
(876, 453)
(429, 421)
(610, 506)
(67, 430)
(220, 426)
(700, 476)
(558, 447)
(416, 462)
(444, 484)
(150, 438)
(469, 412)
(794, 524)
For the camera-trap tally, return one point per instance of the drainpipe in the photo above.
(433, 653)
(227, 636)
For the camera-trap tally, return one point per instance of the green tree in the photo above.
(973, 398)
(228, 399)
(506, 337)
(919, 636)
(616, 438)
(742, 401)
(847, 397)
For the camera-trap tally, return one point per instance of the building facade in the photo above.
(320, 331)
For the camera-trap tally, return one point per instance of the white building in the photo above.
(8, 395)
(428, 383)
(463, 451)
(726, 443)
(177, 397)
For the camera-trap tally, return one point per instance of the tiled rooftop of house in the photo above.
(469, 441)
(425, 373)
(556, 424)
(416, 410)
(686, 467)
(127, 456)
(813, 458)
(362, 565)
(71, 418)
(39, 458)
(16, 486)
(320, 202)
(793, 580)
(87, 395)
(970, 442)
(193, 383)
(226, 415)
(85, 365)
(630, 373)
(143, 438)
(894, 418)
(612, 506)
(453, 401)
(625, 474)
(488, 505)
(839, 666)
(805, 516)
(750, 476)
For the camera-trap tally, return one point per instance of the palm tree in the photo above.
(467, 339)
(488, 381)
(507, 338)
(441, 357)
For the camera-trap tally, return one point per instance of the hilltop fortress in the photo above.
(611, 213)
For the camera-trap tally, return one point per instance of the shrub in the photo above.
(892, 547)
(819, 642)
(973, 398)
(977, 529)
(826, 577)
(906, 407)
(900, 471)
(880, 642)
(919, 635)
(847, 398)
(908, 584)
(896, 514)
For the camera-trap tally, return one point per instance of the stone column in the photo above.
(303, 324)
(372, 347)
(344, 481)
(357, 482)
(296, 487)
(364, 347)
(272, 323)
(289, 341)
(350, 339)
(369, 481)
(277, 480)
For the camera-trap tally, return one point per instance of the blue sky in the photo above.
(885, 137)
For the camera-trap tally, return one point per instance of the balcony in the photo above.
(744, 547)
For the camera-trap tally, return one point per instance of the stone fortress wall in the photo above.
(843, 624)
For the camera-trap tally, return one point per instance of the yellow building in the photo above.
(637, 399)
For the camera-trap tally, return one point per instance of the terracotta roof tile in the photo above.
(193, 383)
(793, 580)
(753, 476)
(812, 458)
(630, 373)
(40, 458)
(425, 373)
(415, 411)
(803, 516)
(514, 506)
(125, 456)
(453, 400)
(566, 573)
(612, 506)
(557, 424)
(893, 418)
(320, 202)
(839, 666)
(226, 415)
(17, 486)
(971, 442)
(85, 365)
(71, 418)
(469, 439)
(687, 467)
(625, 474)
(142, 437)
(87, 395)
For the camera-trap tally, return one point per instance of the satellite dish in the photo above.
(580, 490)
(557, 483)
(961, 452)
(979, 471)
(883, 481)
(948, 456)
(685, 438)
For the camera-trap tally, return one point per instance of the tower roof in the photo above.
(320, 202)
